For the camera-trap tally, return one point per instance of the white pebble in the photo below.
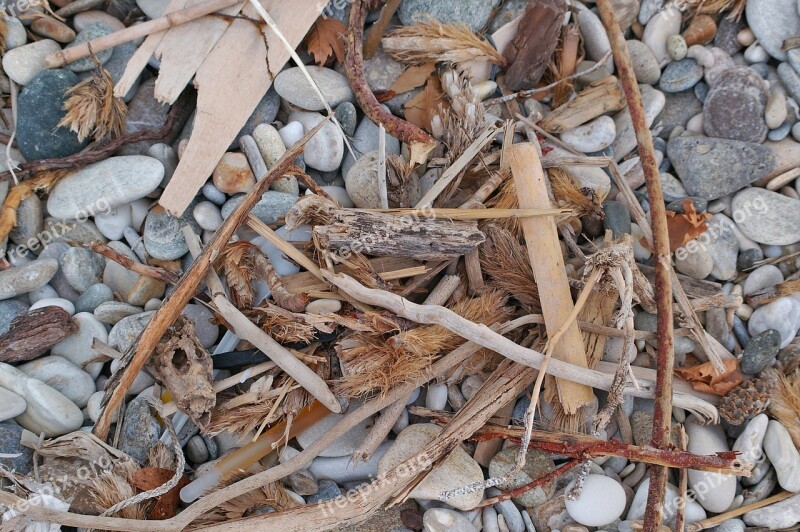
(755, 53)
(55, 302)
(207, 215)
(324, 306)
(291, 133)
(436, 398)
(113, 224)
(602, 500)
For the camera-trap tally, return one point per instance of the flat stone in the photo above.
(680, 76)
(272, 206)
(773, 21)
(53, 29)
(701, 30)
(653, 102)
(693, 511)
(593, 136)
(293, 86)
(750, 441)
(22, 64)
(663, 24)
(81, 21)
(710, 168)
(16, 35)
(92, 31)
(29, 221)
(456, 470)
(10, 434)
(679, 108)
(48, 411)
(328, 491)
(735, 105)
(705, 440)
(82, 268)
(202, 318)
(11, 405)
(722, 247)
(776, 516)
(133, 288)
(62, 375)
(645, 65)
(537, 464)
(105, 184)
(473, 13)
(325, 150)
(783, 455)
(23, 279)
(767, 217)
(694, 261)
(140, 430)
(40, 109)
(594, 34)
(112, 312)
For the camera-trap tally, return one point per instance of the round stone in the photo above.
(163, 235)
(735, 106)
(92, 31)
(293, 86)
(112, 312)
(680, 76)
(207, 216)
(62, 375)
(601, 502)
(645, 65)
(325, 150)
(361, 182)
(23, 279)
(772, 22)
(82, 268)
(677, 47)
(233, 174)
(93, 297)
(22, 64)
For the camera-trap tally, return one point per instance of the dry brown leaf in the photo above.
(413, 77)
(421, 108)
(704, 377)
(324, 40)
(149, 478)
(685, 227)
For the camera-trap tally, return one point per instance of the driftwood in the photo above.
(534, 44)
(32, 334)
(597, 99)
(385, 235)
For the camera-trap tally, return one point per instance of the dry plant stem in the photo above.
(376, 31)
(152, 272)
(68, 55)
(480, 334)
(546, 88)
(396, 127)
(663, 290)
(768, 295)
(247, 330)
(583, 446)
(683, 484)
(380, 430)
(711, 522)
(171, 308)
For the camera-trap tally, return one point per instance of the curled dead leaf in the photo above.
(704, 378)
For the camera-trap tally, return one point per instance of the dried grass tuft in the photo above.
(161, 456)
(433, 42)
(41, 182)
(505, 261)
(281, 324)
(735, 8)
(504, 198)
(111, 487)
(93, 110)
(250, 503)
(570, 195)
(784, 402)
(237, 263)
(311, 210)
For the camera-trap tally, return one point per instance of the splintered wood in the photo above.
(547, 261)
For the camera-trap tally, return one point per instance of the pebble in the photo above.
(783, 455)
(456, 470)
(40, 109)
(601, 502)
(23, 63)
(122, 336)
(361, 182)
(141, 382)
(773, 21)
(93, 297)
(660, 27)
(11, 405)
(291, 134)
(140, 430)
(365, 140)
(644, 62)
(77, 348)
(701, 30)
(341, 470)
(762, 277)
(693, 511)
(132, 287)
(92, 31)
(750, 441)
(676, 47)
(325, 150)
(346, 112)
(271, 206)
(594, 34)
(324, 306)
(63, 376)
(112, 312)
(709, 439)
(436, 396)
(790, 79)
(113, 224)
(328, 491)
(731, 525)
(9, 310)
(293, 86)
(444, 520)
(81, 21)
(94, 408)
(233, 174)
(679, 109)
(20, 458)
(163, 234)
(592, 136)
(23, 279)
(710, 168)
(343, 446)
(617, 218)
(680, 76)
(694, 260)
(16, 35)
(48, 411)
(53, 29)
(82, 268)
(105, 184)
(213, 194)
(473, 13)
(537, 464)
(767, 217)
(777, 516)
(207, 215)
(735, 106)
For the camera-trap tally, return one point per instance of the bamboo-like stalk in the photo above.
(663, 286)
(131, 33)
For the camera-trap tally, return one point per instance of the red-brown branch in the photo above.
(396, 127)
(665, 362)
(153, 272)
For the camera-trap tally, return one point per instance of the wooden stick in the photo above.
(247, 330)
(146, 270)
(683, 484)
(171, 308)
(711, 522)
(544, 250)
(663, 289)
(131, 33)
(480, 334)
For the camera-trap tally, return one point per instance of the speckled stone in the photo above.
(735, 105)
(680, 76)
(93, 31)
(761, 350)
(140, 430)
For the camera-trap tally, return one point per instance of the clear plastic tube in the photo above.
(242, 458)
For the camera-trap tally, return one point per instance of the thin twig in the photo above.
(153, 272)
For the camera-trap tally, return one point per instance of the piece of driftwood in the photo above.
(586, 446)
(385, 235)
(131, 33)
(249, 58)
(547, 261)
(153, 272)
(32, 334)
(534, 43)
(599, 98)
(173, 305)
(694, 288)
(717, 520)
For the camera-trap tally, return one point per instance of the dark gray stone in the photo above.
(761, 350)
(710, 168)
(328, 490)
(725, 39)
(680, 76)
(144, 113)
(740, 331)
(8, 311)
(347, 116)
(40, 109)
(700, 205)
(473, 13)
(617, 218)
(93, 297)
(140, 430)
(701, 90)
(748, 258)
(734, 107)
(92, 31)
(679, 107)
(10, 434)
(518, 414)
(265, 113)
(163, 235)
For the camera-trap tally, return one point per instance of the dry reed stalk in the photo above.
(93, 110)
(428, 42)
(41, 182)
